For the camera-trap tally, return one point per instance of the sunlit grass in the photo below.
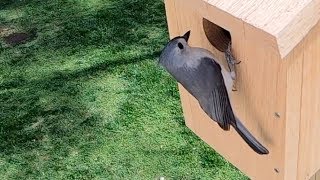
(87, 100)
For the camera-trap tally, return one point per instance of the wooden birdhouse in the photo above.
(278, 80)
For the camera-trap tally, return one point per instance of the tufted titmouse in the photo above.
(205, 79)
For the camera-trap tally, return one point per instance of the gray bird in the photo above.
(205, 79)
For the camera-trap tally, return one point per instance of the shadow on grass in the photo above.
(6, 3)
(21, 104)
(47, 110)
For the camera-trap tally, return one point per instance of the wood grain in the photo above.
(287, 20)
(294, 90)
(309, 146)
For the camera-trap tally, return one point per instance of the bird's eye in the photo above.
(180, 46)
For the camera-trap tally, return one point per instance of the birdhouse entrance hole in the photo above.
(217, 36)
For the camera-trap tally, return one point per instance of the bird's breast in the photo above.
(227, 79)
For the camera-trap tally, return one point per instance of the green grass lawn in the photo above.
(87, 100)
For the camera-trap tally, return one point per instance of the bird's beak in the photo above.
(186, 36)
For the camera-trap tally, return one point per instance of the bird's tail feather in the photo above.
(249, 139)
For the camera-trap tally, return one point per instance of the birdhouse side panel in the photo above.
(309, 144)
(294, 63)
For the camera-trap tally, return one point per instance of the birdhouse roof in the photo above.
(289, 21)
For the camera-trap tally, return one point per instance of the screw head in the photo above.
(277, 114)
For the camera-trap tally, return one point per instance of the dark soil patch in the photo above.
(20, 37)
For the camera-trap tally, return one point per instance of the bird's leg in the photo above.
(231, 63)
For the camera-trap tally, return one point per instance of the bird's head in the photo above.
(174, 48)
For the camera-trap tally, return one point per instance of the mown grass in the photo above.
(87, 100)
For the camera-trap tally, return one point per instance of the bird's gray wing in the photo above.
(212, 93)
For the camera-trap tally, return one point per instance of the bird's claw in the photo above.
(237, 63)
